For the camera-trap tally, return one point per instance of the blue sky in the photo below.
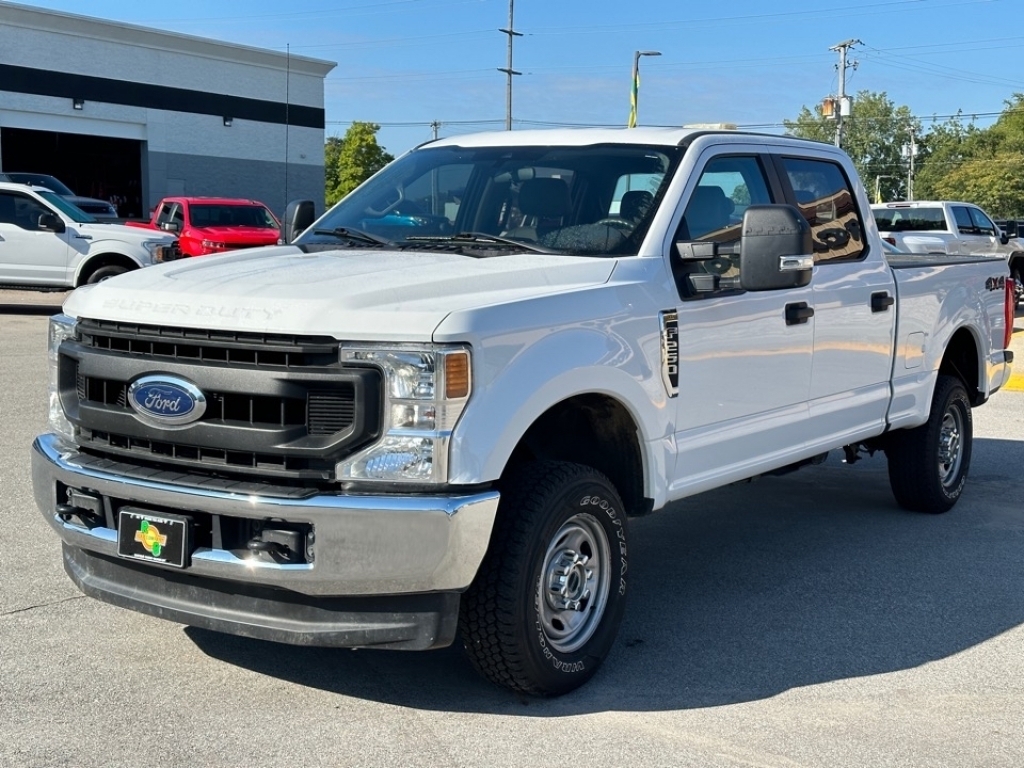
(406, 63)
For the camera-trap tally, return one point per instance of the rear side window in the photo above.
(910, 220)
(825, 198)
(962, 217)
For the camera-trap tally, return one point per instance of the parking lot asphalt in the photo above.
(794, 621)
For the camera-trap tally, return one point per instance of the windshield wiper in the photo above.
(356, 235)
(478, 238)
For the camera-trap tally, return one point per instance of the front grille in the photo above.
(209, 346)
(280, 407)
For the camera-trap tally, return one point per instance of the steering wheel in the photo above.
(617, 222)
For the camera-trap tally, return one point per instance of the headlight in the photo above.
(426, 389)
(160, 250)
(61, 327)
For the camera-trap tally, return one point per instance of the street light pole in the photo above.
(634, 94)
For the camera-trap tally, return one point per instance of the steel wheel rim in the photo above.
(951, 446)
(575, 582)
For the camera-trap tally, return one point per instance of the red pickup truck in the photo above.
(207, 225)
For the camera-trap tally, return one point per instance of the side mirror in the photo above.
(170, 226)
(52, 222)
(1004, 238)
(298, 217)
(776, 250)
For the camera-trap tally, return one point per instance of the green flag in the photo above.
(632, 98)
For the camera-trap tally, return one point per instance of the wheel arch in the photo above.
(105, 259)
(962, 359)
(593, 429)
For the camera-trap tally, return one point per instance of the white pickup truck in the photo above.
(950, 227)
(434, 413)
(46, 242)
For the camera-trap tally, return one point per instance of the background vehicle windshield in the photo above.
(41, 180)
(70, 210)
(232, 216)
(595, 199)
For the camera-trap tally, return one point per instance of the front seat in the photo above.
(546, 202)
(708, 210)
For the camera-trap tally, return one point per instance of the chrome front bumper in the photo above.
(365, 545)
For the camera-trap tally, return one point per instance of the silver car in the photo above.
(100, 209)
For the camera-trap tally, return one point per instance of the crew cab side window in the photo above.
(982, 223)
(21, 211)
(825, 197)
(964, 223)
(727, 186)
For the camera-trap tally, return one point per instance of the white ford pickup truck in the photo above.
(433, 414)
(46, 242)
(950, 227)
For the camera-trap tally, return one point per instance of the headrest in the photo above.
(548, 198)
(634, 204)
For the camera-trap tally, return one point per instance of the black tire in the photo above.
(1018, 287)
(105, 273)
(928, 465)
(525, 621)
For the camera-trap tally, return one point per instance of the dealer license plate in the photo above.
(157, 538)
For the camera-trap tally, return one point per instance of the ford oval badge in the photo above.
(166, 401)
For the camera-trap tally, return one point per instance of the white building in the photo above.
(116, 110)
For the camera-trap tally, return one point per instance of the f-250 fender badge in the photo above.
(166, 401)
(670, 350)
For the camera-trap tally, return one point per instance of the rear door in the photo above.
(854, 304)
(29, 254)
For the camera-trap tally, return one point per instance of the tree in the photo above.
(352, 159)
(874, 135)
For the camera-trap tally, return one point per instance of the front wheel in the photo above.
(1018, 285)
(105, 273)
(928, 464)
(545, 607)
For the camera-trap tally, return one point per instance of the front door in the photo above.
(744, 358)
(29, 254)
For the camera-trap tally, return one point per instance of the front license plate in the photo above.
(158, 538)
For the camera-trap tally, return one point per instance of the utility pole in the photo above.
(844, 102)
(910, 150)
(507, 69)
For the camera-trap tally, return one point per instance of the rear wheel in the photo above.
(928, 464)
(1018, 285)
(545, 607)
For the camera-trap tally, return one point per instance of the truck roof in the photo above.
(668, 137)
(213, 200)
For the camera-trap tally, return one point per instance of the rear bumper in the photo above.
(387, 570)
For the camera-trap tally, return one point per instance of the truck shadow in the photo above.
(744, 593)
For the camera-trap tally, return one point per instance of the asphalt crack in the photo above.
(41, 605)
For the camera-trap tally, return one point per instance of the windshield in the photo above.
(41, 180)
(591, 200)
(70, 210)
(218, 215)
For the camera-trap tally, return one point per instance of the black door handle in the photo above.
(798, 313)
(880, 302)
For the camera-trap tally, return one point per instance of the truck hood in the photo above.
(348, 294)
(123, 233)
(256, 235)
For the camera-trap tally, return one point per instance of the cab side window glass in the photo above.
(982, 224)
(727, 186)
(21, 211)
(825, 198)
(962, 217)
